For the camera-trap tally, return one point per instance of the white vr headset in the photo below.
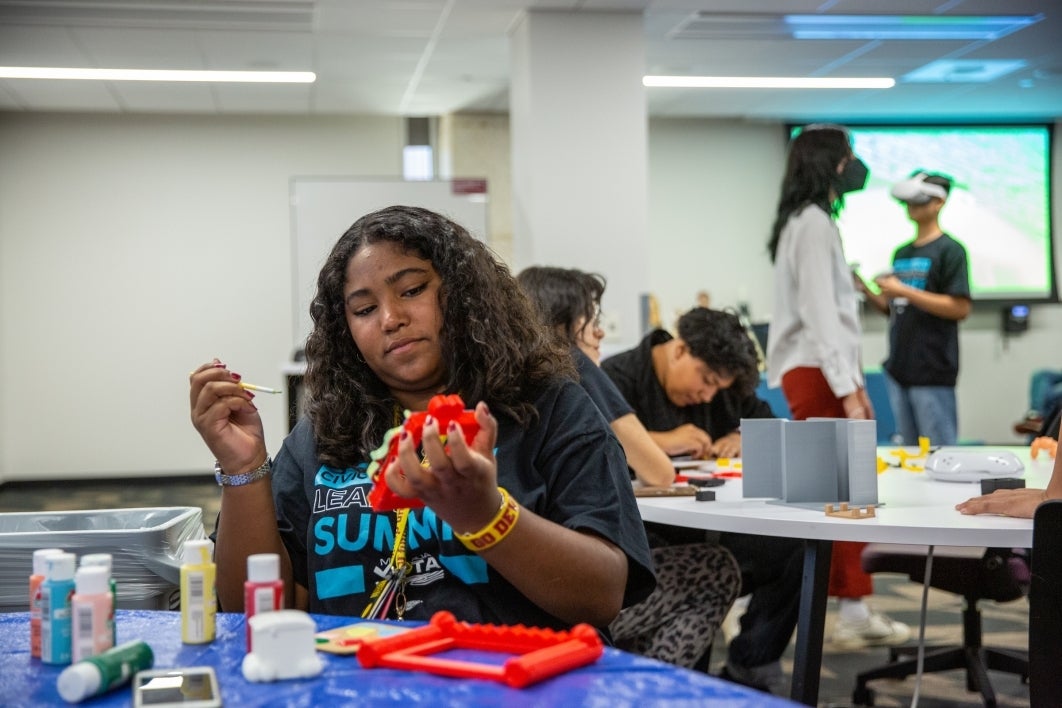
(917, 191)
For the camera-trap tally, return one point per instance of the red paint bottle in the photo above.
(264, 590)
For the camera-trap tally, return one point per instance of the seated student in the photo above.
(569, 302)
(691, 392)
(696, 582)
(1021, 503)
(1045, 402)
(409, 305)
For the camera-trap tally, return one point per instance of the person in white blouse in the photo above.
(813, 345)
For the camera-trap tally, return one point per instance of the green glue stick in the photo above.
(104, 672)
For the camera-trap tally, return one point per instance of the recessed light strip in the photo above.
(765, 82)
(268, 77)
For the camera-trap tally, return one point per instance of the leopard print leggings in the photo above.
(695, 586)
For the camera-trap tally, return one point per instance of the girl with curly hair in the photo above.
(410, 305)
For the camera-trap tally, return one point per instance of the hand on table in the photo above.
(1020, 503)
(687, 439)
(727, 446)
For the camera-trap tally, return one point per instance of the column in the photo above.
(579, 153)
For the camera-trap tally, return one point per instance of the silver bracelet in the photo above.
(238, 480)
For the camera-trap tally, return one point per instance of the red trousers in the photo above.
(809, 396)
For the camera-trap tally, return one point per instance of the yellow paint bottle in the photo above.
(198, 599)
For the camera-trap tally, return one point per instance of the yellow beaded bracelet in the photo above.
(498, 528)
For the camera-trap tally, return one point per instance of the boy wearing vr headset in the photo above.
(926, 295)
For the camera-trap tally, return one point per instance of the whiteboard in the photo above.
(323, 208)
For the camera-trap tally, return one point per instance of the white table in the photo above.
(916, 510)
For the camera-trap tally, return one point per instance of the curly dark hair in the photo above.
(494, 347)
(563, 296)
(810, 175)
(719, 340)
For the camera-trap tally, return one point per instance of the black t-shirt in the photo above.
(632, 372)
(602, 391)
(924, 348)
(566, 466)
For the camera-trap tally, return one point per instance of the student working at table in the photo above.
(691, 392)
(1021, 503)
(410, 305)
(696, 582)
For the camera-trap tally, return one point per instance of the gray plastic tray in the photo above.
(145, 545)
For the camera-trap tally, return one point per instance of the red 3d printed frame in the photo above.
(542, 652)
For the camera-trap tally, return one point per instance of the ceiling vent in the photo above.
(270, 15)
(714, 25)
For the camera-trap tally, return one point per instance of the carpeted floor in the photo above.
(1005, 625)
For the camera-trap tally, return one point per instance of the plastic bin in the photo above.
(145, 544)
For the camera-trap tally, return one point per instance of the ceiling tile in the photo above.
(258, 51)
(38, 46)
(43, 95)
(263, 98)
(154, 97)
(130, 48)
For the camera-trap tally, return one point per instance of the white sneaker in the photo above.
(732, 622)
(876, 630)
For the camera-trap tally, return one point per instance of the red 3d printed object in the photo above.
(542, 652)
(444, 409)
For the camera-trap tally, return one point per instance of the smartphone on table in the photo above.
(188, 687)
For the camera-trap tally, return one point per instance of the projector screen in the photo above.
(999, 206)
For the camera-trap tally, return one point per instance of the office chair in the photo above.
(1045, 608)
(974, 573)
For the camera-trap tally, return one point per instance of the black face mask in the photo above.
(853, 177)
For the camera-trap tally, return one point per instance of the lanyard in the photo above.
(392, 587)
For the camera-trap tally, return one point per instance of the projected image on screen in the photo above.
(998, 207)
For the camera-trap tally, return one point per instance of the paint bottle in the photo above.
(90, 609)
(105, 560)
(35, 580)
(264, 590)
(198, 601)
(103, 672)
(56, 590)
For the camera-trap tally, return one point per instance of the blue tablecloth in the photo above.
(618, 679)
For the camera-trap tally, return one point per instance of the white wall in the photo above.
(133, 248)
(713, 187)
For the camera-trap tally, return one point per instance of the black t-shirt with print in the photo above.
(924, 348)
(565, 466)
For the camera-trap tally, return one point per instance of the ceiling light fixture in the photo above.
(765, 82)
(268, 77)
(919, 27)
(709, 24)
